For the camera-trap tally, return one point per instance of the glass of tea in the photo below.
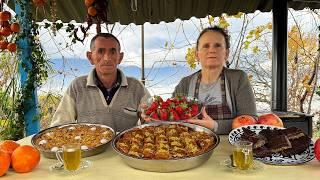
(71, 156)
(242, 155)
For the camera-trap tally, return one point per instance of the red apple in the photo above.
(270, 119)
(243, 120)
(317, 149)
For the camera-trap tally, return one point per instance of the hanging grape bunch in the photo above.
(96, 14)
(8, 31)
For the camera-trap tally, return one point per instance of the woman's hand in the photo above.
(206, 121)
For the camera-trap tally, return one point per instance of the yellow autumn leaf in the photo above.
(269, 25)
(250, 77)
(193, 66)
(308, 88)
(223, 23)
(305, 79)
(246, 44)
(166, 44)
(294, 29)
(171, 46)
(255, 49)
(210, 19)
(257, 32)
(239, 15)
(249, 37)
(3, 122)
(191, 57)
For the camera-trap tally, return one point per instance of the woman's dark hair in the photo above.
(105, 35)
(218, 29)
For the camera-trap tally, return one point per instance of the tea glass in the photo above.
(71, 157)
(243, 155)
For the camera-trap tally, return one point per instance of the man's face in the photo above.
(105, 55)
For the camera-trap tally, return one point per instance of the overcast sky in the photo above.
(177, 35)
(156, 37)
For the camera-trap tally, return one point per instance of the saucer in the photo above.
(257, 166)
(58, 167)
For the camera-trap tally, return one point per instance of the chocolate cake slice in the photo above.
(298, 146)
(293, 132)
(248, 132)
(278, 143)
(251, 136)
(270, 134)
(262, 152)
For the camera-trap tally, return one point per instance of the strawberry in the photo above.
(154, 115)
(164, 114)
(169, 100)
(171, 103)
(164, 105)
(194, 109)
(174, 100)
(317, 149)
(180, 109)
(186, 115)
(153, 106)
(173, 109)
(149, 111)
(174, 115)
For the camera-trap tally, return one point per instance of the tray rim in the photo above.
(71, 124)
(193, 126)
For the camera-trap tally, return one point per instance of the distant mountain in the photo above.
(133, 71)
(176, 71)
(78, 67)
(156, 76)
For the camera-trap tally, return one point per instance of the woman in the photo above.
(227, 93)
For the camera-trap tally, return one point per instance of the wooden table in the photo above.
(108, 165)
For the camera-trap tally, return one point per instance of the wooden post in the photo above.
(32, 124)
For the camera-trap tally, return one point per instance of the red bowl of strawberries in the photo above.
(177, 108)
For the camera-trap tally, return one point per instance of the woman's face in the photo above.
(212, 51)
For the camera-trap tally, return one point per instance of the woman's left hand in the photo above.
(206, 121)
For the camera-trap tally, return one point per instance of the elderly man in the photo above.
(106, 95)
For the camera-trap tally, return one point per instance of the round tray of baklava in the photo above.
(165, 146)
(93, 138)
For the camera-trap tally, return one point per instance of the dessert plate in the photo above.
(275, 159)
